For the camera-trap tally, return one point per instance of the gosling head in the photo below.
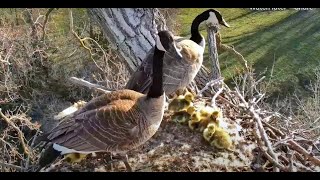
(189, 97)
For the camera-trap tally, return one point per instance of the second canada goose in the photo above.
(115, 122)
(181, 62)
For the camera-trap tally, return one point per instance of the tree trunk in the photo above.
(129, 30)
(132, 32)
(213, 55)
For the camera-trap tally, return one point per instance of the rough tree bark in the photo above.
(129, 30)
(132, 32)
(213, 55)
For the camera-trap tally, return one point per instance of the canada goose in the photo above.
(209, 115)
(75, 157)
(209, 131)
(195, 120)
(183, 116)
(114, 122)
(221, 139)
(181, 62)
(191, 110)
(182, 102)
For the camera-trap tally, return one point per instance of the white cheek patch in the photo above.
(178, 50)
(213, 19)
(203, 43)
(159, 44)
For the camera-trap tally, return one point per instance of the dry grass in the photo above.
(17, 134)
(38, 55)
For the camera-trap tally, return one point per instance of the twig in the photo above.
(239, 56)
(32, 144)
(284, 159)
(295, 146)
(20, 134)
(83, 44)
(315, 121)
(301, 166)
(52, 166)
(260, 98)
(19, 168)
(302, 107)
(213, 101)
(209, 84)
(244, 80)
(291, 167)
(263, 134)
(88, 84)
(226, 101)
(45, 22)
(271, 159)
(275, 130)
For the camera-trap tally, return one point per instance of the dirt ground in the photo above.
(175, 148)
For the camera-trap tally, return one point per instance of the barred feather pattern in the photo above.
(178, 72)
(114, 122)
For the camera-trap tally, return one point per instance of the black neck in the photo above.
(195, 34)
(156, 89)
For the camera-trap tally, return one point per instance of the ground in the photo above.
(175, 147)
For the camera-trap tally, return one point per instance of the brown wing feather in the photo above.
(105, 127)
(105, 99)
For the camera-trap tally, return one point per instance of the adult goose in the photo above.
(115, 122)
(181, 62)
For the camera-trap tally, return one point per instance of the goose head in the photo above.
(211, 17)
(214, 18)
(164, 40)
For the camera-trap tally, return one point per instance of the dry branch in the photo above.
(258, 120)
(89, 85)
(239, 56)
(19, 168)
(295, 146)
(20, 134)
(213, 101)
(265, 153)
(275, 130)
(45, 23)
(210, 84)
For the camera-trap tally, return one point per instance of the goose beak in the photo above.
(224, 23)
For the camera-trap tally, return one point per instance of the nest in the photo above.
(260, 142)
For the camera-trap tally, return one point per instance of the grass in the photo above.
(288, 40)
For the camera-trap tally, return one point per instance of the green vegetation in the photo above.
(288, 40)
